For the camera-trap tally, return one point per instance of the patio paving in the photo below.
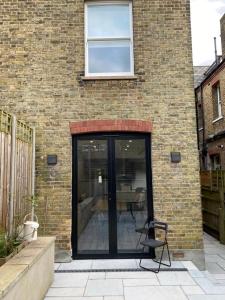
(175, 285)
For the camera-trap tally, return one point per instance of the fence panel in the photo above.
(212, 193)
(22, 169)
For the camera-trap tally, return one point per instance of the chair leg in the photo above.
(152, 270)
(141, 259)
(159, 262)
(139, 240)
(168, 253)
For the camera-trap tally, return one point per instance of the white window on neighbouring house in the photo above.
(215, 162)
(108, 38)
(217, 107)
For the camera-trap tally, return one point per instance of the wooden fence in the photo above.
(16, 170)
(212, 191)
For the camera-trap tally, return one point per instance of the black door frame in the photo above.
(110, 137)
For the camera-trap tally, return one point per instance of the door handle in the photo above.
(110, 197)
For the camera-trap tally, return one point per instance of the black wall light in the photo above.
(52, 159)
(175, 157)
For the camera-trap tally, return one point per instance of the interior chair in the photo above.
(156, 243)
(143, 230)
(139, 198)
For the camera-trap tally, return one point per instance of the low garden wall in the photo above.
(29, 274)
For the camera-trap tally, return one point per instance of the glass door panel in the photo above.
(92, 196)
(111, 182)
(131, 191)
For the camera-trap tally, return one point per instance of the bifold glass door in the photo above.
(111, 193)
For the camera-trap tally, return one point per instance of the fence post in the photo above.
(221, 211)
(12, 177)
(33, 171)
(211, 180)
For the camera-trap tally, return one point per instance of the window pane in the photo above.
(108, 20)
(131, 193)
(92, 193)
(217, 112)
(109, 57)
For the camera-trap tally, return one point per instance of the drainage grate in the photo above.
(120, 270)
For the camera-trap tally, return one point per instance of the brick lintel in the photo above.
(92, 126)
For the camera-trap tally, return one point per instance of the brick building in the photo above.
(113, 105)
(210, 103)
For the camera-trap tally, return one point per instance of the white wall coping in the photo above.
(20, 264)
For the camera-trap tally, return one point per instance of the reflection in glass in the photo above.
(108, 20)
(130, 193)
(92, 196)
(109, 57)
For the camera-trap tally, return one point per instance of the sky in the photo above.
(205, 19)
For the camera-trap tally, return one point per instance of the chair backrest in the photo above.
(159, 225)
(139, 190)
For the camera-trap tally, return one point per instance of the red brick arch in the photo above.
(92, 126)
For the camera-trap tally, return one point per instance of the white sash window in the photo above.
(108, 39)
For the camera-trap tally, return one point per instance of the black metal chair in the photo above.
(155, 243)
(143, 230)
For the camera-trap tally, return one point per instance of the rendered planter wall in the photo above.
(3, 260)
(29, 274)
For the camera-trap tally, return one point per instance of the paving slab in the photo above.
(107, 287)
(214, 268)
(206, 297)
(74, 298)
(212, 258)
(56, 266)
(124, 275)
(97, 275)
(62, 256)
(219, 276)
(70, 280)
(175, 278)
(76, 265)
(209, 287)
(196, 273)
(140, 282)
(154, 293)
(65, 292)
(112, 298)
(114, 264)
(189, 265)
(192, 290)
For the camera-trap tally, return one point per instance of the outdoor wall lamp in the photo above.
(175, 157)
(51, 159)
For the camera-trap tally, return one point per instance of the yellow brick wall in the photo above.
(42, 64)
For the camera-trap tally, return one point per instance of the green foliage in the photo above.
(3, 250)
(33, 200)
(7, 244)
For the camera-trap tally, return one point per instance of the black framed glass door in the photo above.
(112, 194)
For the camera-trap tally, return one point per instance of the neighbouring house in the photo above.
(109, 87)
(199, 74)
(210, 105)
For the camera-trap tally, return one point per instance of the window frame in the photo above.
(213, 165)
(102, 39)
(216, 96)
